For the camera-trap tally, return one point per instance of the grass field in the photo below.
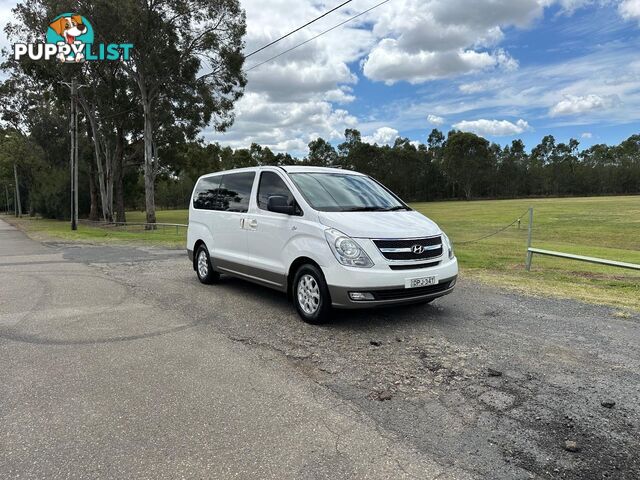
(55, 230)
(607, 227)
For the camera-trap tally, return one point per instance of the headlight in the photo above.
(346, 249)
(449, 245)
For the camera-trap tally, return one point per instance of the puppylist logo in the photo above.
(69, 39)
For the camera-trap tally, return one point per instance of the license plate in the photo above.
(420, 282)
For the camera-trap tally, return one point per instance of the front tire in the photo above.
(206, 273)
(311, 295)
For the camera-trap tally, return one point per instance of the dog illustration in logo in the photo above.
(69, 28)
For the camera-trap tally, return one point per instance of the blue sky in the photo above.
(595, 35)
(504, 69)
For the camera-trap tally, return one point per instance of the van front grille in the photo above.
(410, 248)
(414, 266)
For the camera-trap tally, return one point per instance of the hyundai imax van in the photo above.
(327, 237)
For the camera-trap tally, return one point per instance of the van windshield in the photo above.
(344, 192)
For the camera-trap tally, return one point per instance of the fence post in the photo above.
(529, 254)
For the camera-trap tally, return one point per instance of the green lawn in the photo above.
(164, 216)
(607, 227)
(54, 230)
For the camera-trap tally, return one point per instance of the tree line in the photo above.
(461, 165)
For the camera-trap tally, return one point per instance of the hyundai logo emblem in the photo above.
(417, 249)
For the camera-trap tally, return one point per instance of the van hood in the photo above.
(380, 224)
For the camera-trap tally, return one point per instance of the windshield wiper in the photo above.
(397, 207)
(374, 209)
(365, 209)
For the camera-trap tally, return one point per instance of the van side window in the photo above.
(235, 192)
(206, 193)
(271, 184)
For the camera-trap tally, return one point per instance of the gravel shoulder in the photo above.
(487, 381)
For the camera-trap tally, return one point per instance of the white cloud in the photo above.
(284, 126)
(435, 120)
(531, 91)
(480, 86)
(493, 128)
(425, 40)
(301, 95)
(629, 9)
(382, 136)
(570, 6)
(341, 95)
(299, 80)
(575, 104)
(390, 64)
(505, 61)
(586, 135)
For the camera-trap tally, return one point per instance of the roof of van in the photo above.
(305, 168)
(286, 168)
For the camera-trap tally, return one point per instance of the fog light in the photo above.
(453, 282)
(358, 296)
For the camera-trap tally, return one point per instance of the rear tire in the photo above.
(204, 270)
(311, 295)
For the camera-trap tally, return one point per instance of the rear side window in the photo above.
(235, 191)
(271, 184)
(206, 193)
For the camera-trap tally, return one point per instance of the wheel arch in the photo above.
(293, 268)
(196, 246)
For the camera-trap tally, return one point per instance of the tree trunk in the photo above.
(93, 194)
(118, 176)
(108, 179)
(95, 137)
(17, 184)
(149, 164)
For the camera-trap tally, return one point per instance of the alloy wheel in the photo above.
(203, 264)
(308, 294)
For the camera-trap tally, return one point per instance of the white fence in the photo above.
(600, 261)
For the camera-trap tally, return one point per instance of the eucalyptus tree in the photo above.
(187, 66)
(466, 158)
(103, 87)
(321, 153)
(184, 73)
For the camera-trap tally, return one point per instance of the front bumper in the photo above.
(387, 286)
(390, 296)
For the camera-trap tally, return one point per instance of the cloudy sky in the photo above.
(503, 69)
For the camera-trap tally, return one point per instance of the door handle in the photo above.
(253, 223)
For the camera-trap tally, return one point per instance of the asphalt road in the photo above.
(116, 363)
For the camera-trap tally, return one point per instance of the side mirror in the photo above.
(280, 204)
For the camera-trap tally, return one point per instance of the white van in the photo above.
(325, 236)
